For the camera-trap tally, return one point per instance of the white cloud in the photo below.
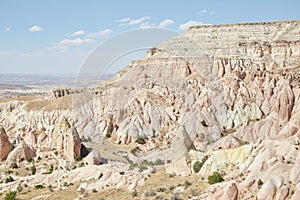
(210, 12)
(166, 23)
(189, 24)
(138, 21)
(7, 29)
(147, 25)
(35, 28)
(76, 33)
(131, 22)
(74, 42)
(123, 20)
(103, 33)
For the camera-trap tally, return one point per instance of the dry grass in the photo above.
(160, 179)
(63, 103)
(21, 98)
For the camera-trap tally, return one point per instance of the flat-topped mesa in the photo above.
(273, 44)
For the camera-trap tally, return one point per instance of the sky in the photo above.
(55, 36)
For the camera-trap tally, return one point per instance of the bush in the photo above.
(100, 175)
(39, 186)
(134, 193)
(141, 141)
(86, 139)
(78, 158)
(260, 183)
(198, 165)
(135, 150)
(203, 122)
(9, 179)
(216, 177)
(80, 165)
(19, 188)
(187, 184)
(108, 135)
(159, 162)
(51, 168)
(161, 189)
(15, 166)
(30, 160)
(33, 170)
(11, 195)
(150, 193)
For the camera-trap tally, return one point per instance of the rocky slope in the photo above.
(226, 93)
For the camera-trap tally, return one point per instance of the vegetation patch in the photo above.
(216, 177)
(198, 165)
(11, 195)
(9, 179)
(141, 141)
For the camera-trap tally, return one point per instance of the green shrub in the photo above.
(150, 193)
(203, 122)
(108, 135)
(135, 150)
(51, 168)
(187, 184)
(19, 188)
(81, 164)
(100, 175)
(134, 193)
(260, 183)
(33, 170)
(11, 195)
(141, 141)
(86, 139)
(78, 158)
(15, 166)
(198, 165)
(30, 160)
(159, 162)
(216, 177)
(9, 179)
(39, 186)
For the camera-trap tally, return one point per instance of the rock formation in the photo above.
(22, 152)
(5, 145)
(66, 139)
(228, 92)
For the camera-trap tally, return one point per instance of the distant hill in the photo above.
(50, 80)
(13, 87)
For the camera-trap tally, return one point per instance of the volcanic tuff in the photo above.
(227, 92)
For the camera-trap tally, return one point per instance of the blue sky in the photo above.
(55, 36)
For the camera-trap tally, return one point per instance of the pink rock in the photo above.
(20, 153)
(231, 192)
(5, 145)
